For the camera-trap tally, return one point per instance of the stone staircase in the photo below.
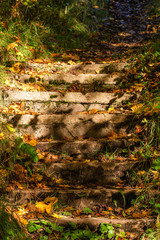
(82, 118)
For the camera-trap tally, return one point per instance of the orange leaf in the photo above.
(93, 111)
(110, 209)
(41, 206)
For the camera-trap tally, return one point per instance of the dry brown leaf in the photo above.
(138, 87)
(137, 108)
(112, 135)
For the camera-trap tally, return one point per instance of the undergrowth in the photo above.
(38, 29)
(10, 227)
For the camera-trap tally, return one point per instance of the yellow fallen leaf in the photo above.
(23, 221)
(141, 173)
(12, 46)
(41, 206)
(70, 62)
(49, 208)
(60, 180)
(40, 156)
(33, 142)
(111, 109)
(93, 111)
(16, 67)
(10, 128)
(1, 136)
(39, 60)
(56, 215)
(137, 108)
(51, 199)
(138, 87)
(65, 186)
(114, 217)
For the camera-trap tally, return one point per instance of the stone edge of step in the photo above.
(127, 224)
(67, 97)
(104, 79)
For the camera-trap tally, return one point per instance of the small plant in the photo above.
(12, 147)
(71, 231)
(152, 233)
(87, 211)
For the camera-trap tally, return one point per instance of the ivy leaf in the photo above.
(111, 233)
(156, 164)
(34, 227)
(30, 150)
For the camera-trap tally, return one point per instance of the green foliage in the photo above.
(71, 231)
(152, 233)
(156, 164)
(3, 75)
(87, 210)
(10, 229)
(12, 147)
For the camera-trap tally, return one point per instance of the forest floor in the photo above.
(128, 35)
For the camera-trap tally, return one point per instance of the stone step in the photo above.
(134, 227)
(68, 97)
(62, 108)
(71, 126)
(86, 173)
(79, 198)
(46, 103)
(79, 68)
(86, 148)
(67, 78)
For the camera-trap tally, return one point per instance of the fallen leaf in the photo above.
(56, 215)
(49, 208)
(51, 199)
(41, 206)
(110, 209)
(92, 111)
(137, 108)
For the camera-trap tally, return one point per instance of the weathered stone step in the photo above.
(131, 226)
(68, 97)
(80, 68)
(79, 198)
(71, 126)
(67, 78)
(84, 173)
(44, 102)
(86, 148)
